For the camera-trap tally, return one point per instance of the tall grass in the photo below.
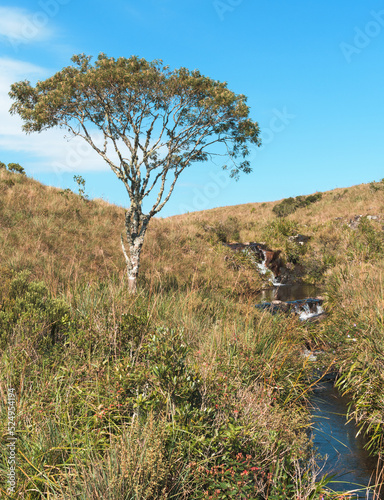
(122, 404)
(356, 297)
(185, 391)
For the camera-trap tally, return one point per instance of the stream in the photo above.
(341, 452)
(334, 438)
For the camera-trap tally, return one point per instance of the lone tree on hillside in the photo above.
(154, 122)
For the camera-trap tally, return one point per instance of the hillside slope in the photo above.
(62, 238)
(185, 391)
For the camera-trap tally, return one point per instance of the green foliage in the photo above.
(2, 166)
(28, 309)
(132, 330)
(80, 181)
(15, 167)
(8, 182)
(376, 186)
(65, 193)
(222, 231)
(135, 87)
(158, 377)
(294, 252)
(290, 205)
(280, 228)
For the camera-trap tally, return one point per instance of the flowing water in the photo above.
(264, 270)
(333, 437)
(295, 297)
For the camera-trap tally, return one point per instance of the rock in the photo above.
(354, 223)
(280, 305)
(299, 239)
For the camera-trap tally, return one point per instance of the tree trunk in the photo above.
(136, 224)
(133, 264)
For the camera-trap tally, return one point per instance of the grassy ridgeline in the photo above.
(185, 391)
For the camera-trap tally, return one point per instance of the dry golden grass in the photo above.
(248, 362)
(64, 239)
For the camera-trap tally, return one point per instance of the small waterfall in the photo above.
(264, 269)
(261, 265)
(259, 251)
(305, 309)
(308, 311)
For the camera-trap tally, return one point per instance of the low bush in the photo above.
(28, 311)
(221, 231)
(290, 205)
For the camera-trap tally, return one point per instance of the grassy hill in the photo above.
(185, 391)
(62, 238)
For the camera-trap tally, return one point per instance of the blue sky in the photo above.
(313, 73)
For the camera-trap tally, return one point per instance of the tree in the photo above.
(16, 167)
(154, 123)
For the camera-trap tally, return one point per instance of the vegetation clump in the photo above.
(13, 167)
(290, 205)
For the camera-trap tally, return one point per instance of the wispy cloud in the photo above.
(48, 151)
(21, 26)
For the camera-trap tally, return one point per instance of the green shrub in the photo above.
(15, 167)
(2, 165)
(222, 231)
(28, 309)
(294, 252)
(290, 205)
(280, 227)
(132, 330)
